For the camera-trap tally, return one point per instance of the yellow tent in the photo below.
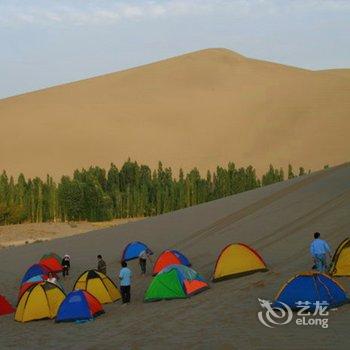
(341, 260)
(237, 260)
(99, 285)
(39, 301)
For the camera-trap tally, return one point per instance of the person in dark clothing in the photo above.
(101, 264)
(125, 282)
(66, 265)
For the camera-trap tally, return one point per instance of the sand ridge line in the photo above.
(301, 253)
(303, 220)
(282, 267)
(341, 197)
(252, 208)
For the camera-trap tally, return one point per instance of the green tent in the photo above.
(165, 286)
(51, 255)
(175, 282)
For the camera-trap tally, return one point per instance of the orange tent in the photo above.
(169, 257)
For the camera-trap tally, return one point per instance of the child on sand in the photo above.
(101, 264)
(66, 265)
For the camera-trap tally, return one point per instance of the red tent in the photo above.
(5, 306)
(169, 257)
(52, 264)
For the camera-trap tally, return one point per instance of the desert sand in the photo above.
(277, 220)
(201, 109)
(27, 233)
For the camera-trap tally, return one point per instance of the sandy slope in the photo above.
(201, 109)
(277, 220)
(345, 73)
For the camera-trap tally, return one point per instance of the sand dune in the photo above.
(277, 220)
(201, 109)
(345, 73)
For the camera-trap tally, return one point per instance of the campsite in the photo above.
(174, 174)
(266, 219)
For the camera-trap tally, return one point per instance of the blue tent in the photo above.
(311, 288)
(133, 249)
(36, 278)
(35, 270)
(181, 257)
(79, 305)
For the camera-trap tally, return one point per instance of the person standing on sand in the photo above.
(125, 275)
(319, 250)
(66, 265)
(143, 256)
(101, 264)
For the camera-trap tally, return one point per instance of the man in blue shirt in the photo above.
(125, 282)
(319, 250)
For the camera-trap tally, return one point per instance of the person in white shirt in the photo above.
(143, 256)
(125, 275)
(51, 278)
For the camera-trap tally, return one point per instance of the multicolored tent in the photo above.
(133, 249)
(52, 261)
(35, 270)
(311, 288)
(5, 307)
(236, 260)
(175, 282)
(341, 260)
(39, 301)
(27, 284)
(79, 305)
(99, 285)
(169, 257)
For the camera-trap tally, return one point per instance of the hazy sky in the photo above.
(48, 42)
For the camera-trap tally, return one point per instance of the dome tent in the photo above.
(311, 287)
(27, 284)
(52, 255)
(5, 307)
(99, 285)
(79, 305)
(236, 260)
(341, 260)
(35, 270)
(175, 282)
(133, 249)
(52, 261)
(39, 301)
(169, 257)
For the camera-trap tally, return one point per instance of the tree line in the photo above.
(134, 190)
